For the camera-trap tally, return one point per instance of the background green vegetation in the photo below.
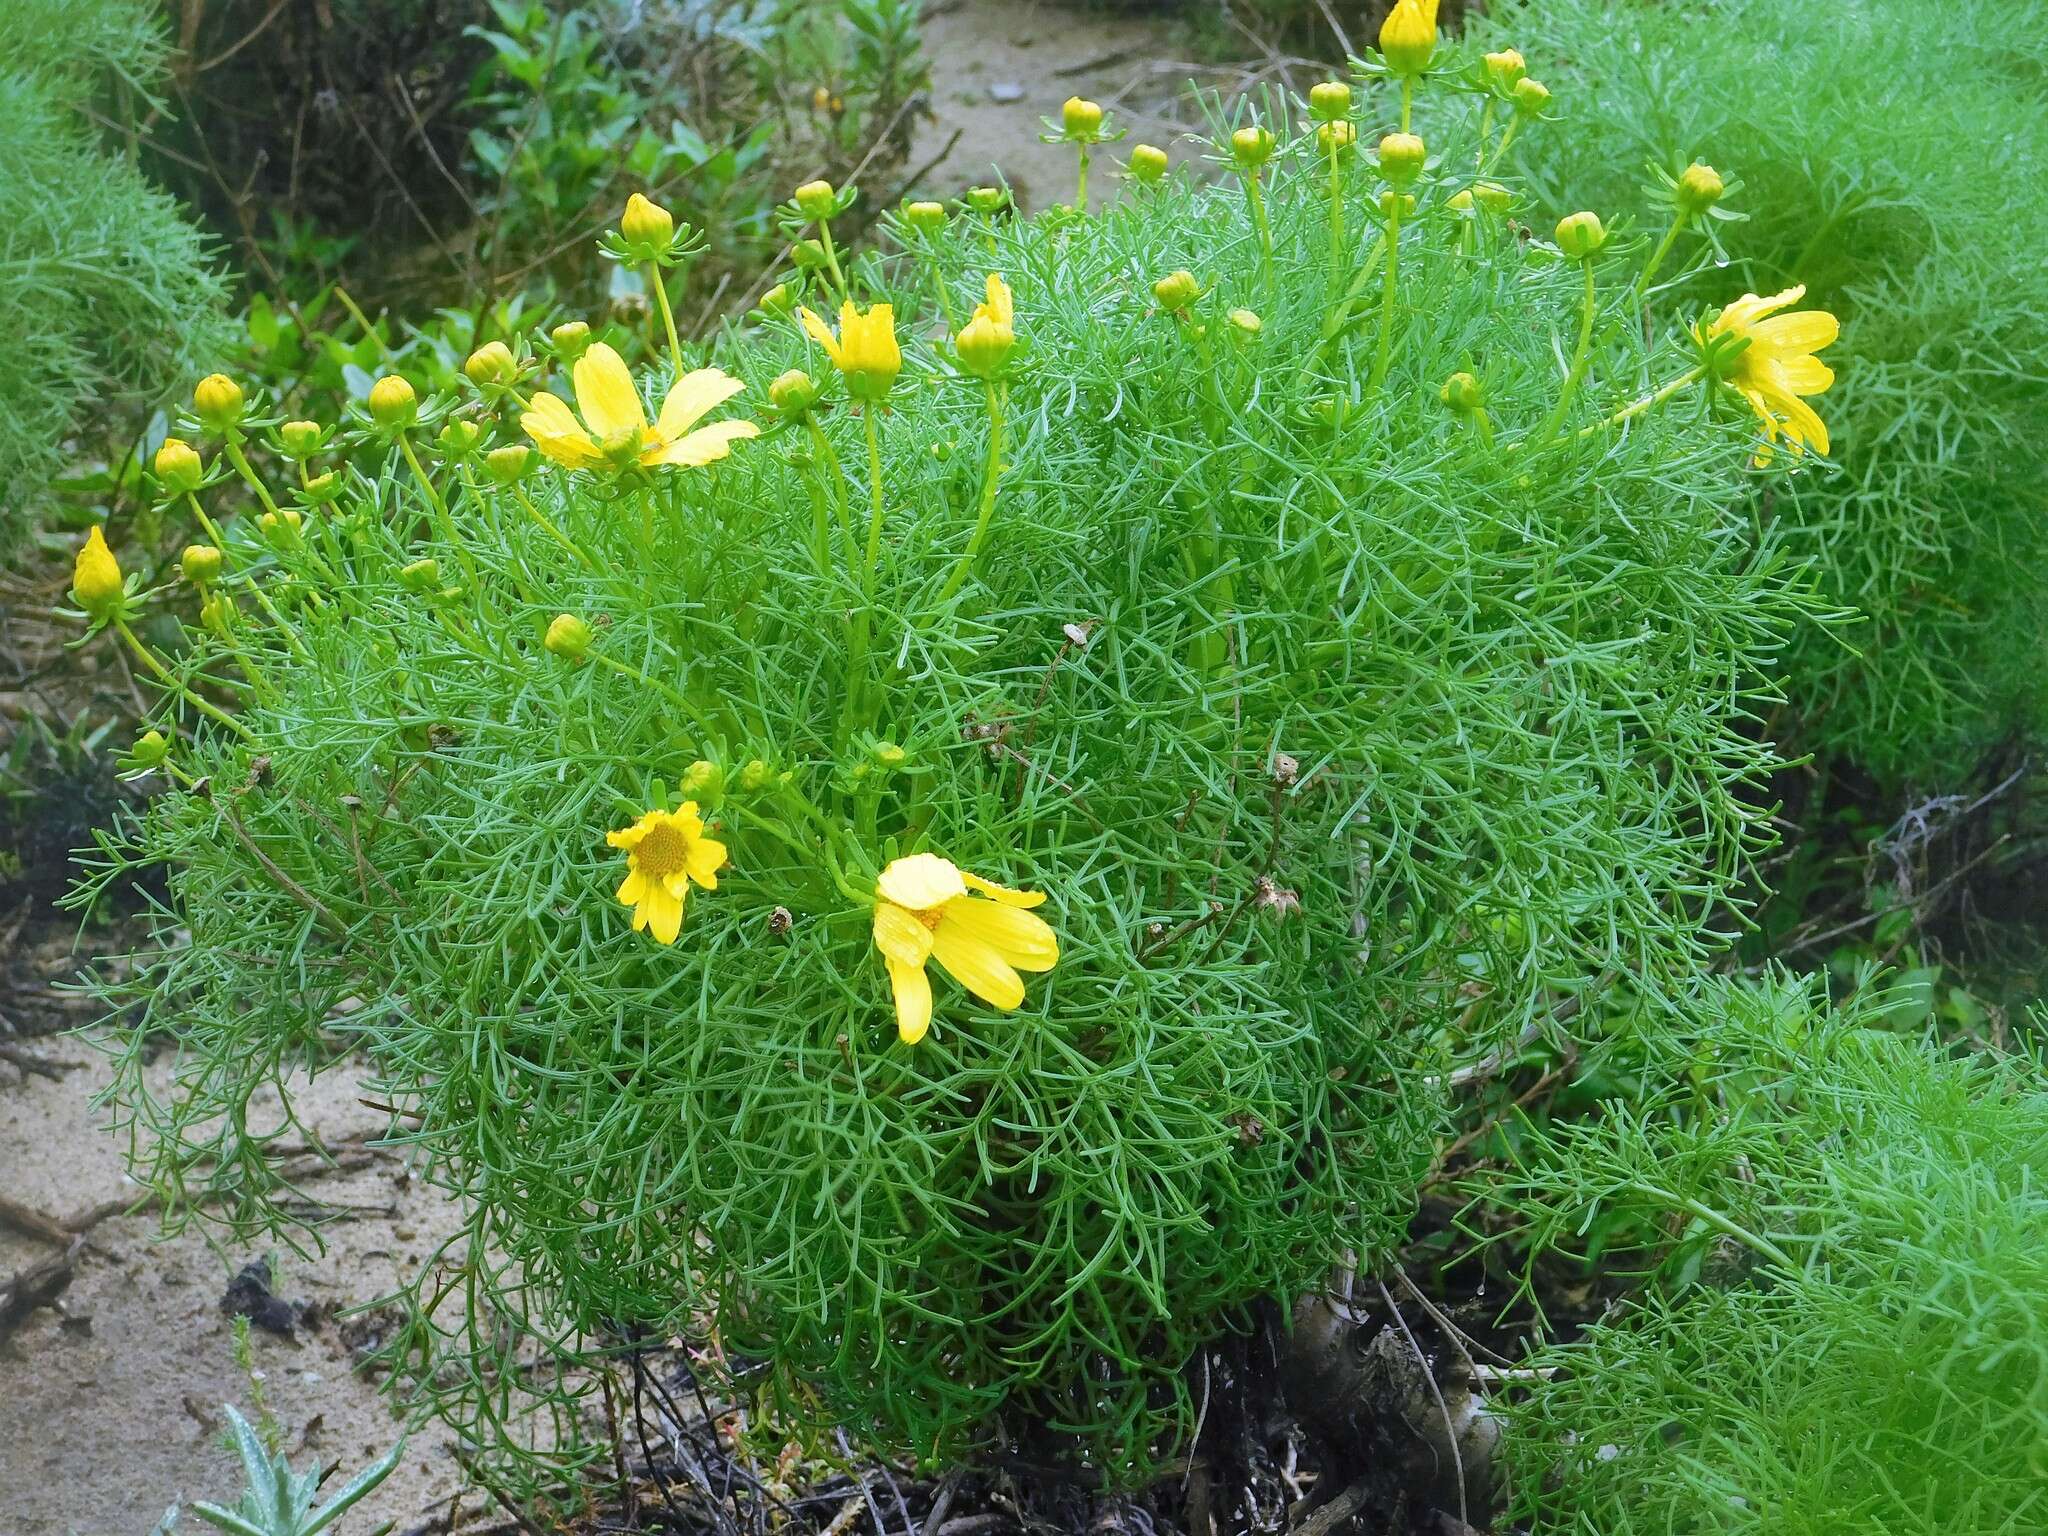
(109, 297)
(1892, 157)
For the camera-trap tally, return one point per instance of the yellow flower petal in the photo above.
(1003, 893)
(1803, 376)
(900, 936)
(632, 888)
(976, 966)
(556, 432)
(921, 881)
(661, 914)
(695, 395)
(605, 393)
(1022, 939)
(707, 857)
(999, 308)
(1808, 330)
(706, 445)
(913, 992)
(821, 333)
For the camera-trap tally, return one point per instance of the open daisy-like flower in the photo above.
(924, 912)
(615, 429)
(665, 851)
(865, 350)
(1777, 367)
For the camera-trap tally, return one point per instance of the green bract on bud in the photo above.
(1176, 291)
(984, 345)
(200, 564)
(1580, 235)
(392, 402)
(1699, 188)
(1492, 196)
(1402, 156)
(178, 469)
(1395, 204)
(420, 577)
(570, 338)
(1530, 97)
(647, 225)
(755, 776)
(1081, 119)
(217, 613)
(779, 300)
(808, 255)
(300, 439)
(1462, 394)
(458, 439)
(817, 200)
(217, 401)
(150, 749)
(1245, 323)
(506, 465)
(318, 490)
(1147, 164)
(1338, 138)
(1251, 148)
(491, 363)
(925, 218)
(1329, 100)
(1506, 69)
(702, 780)
(280, 529)
(568, 637)
(793, 393)
(987, 199)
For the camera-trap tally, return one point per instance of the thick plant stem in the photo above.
(668, 316)
(1385, 357)
(675, 696)
(1507, 137)
(1081, 188)
(832, 261)
(1657, 258)
(863, 617)
(1336, 214)
(1407, 102)
(548, 524)
(1265, 229)
(1720, 1223)
(1647, 403)
(441, 518)
(1582, 354)
(241, 462)
(263, 601)
(841, 494)
(170, 680)
(964, 566)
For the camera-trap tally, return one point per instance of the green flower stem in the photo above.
(707, 732)
(1336, 213)
(241, 462)
(1657, 258)
(668, 317)
(1582, 354)
(832, 261)
(263, 601)
(1648, 402)
(1720, 1223)
(1407, 101)
(863, 616)
(441, 517)
(1081, 189)
(548, 524)
(842, 496)
(1485, 130)
(1264, 226)
(361, 319)
(1500, 149)
(176, 685)
(964, 566)
(945, 297)
(1385, 357)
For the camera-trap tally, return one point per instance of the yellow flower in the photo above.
(96, 581)
(618, 431)
(1408, 36)
(924, 912)
(997, 308)
(865, 349)
(665, 851)
(1778, 365)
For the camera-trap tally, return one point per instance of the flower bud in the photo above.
(1460, 201)
(1336, 138)
(817, 200)
(280, 529)
(392, 402)
(1329, 101)
(1402, 157)
(1699, 188)
(568, 637)
(809, 255)
(1176, 291)
(1081, 118)
(984, 345)
(217, 613)
(1506, 69)
(647, 224)
(97, 585)
(702, 780)
(1462, 394)
(1390, 200)
(1251, 148)
(1530, 97)
(1580, 235)
(420, 577)
(178, 468)
(778, 300)
(149, 750)
(1492, 196)
(318, 491)
(505, 465)
(1245, 323)
(1408, 36)
(1148, 163)
(458, 439)
(755, 775)
(491, 363)
(792, 393)
(217, 402)
(200, 564)
(987, 199)
(299, 439)
(925, 218)
(570, 338)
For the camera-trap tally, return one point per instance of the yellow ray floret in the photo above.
(1408, 36)
(665, 851)
(615, 430)
(865, 349)
(924, 912)
(1777, 367)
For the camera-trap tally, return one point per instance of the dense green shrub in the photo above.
(1877, 1358)
(1892, 159)
(1346, 732)
(108, 297)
